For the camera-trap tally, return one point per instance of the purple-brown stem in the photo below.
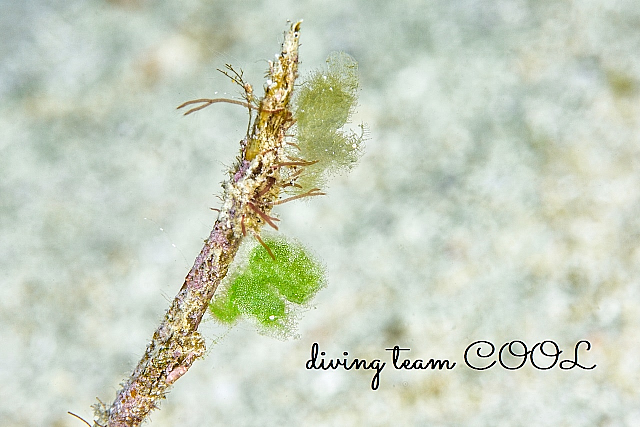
(176, 344)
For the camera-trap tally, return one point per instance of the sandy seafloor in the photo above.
(498, 199)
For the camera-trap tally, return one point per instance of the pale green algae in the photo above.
(323, 105)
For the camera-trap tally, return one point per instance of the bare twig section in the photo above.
(176, 344)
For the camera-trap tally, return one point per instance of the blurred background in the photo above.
(498, 199)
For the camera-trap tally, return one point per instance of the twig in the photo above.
(176, 344)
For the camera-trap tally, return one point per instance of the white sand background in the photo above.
(498, 199)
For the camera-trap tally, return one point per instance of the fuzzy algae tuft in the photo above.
(323, 105)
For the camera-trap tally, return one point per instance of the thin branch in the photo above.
(237, 78)
(267, 187)
(310, 193)
(79, 417)
(264, 245)
(268, 219)
(176, 344)
(298, 163)
(206, 102)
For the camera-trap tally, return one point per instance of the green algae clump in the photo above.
(270, 290)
